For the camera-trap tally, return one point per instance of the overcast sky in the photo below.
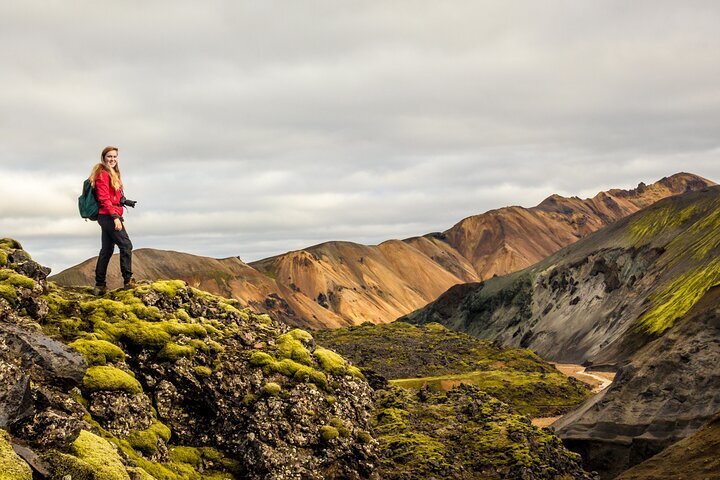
(254, 128)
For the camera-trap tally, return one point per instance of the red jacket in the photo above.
(107, 196)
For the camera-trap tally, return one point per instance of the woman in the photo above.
(107, 182)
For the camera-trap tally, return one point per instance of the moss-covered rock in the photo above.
(110, 378)
(147, 441)
(12, 467)
(98, 352)
(98, 454)
(464, 433)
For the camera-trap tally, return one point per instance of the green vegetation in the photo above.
(98, 352)
(12, 467)
(12, 278)
(97, 454)
(334, 363)
(430, 355)
(328, 433)
(703, 236)
(110, 378)
(463, 433)
(529, 393)
(657, 220)
(272, 389)
(202, 371)
(292, 359)
(146, 441)
(173, 352)
(678, 298)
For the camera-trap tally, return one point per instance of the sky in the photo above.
(251, 128)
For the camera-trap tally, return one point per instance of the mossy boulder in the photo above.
(12, 467)
(98, 352)
(110, 378)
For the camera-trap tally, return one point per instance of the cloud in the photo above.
(252, 128)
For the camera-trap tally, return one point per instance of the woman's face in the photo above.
(111, 158)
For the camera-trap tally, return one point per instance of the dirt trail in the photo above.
(598, 380)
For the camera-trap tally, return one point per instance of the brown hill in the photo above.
(341, 283)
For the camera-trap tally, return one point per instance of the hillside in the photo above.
(693, 457)
(167, 382)
(639, 296)
(432, 356)
(338, 284)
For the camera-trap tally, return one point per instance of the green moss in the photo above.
(392, 419)
(173, 352)
(299, 372)
(301, 335)
(192, 330)
(189, 455)
(137, 333)
(12, 467)
(271, 389)
(704, 234)
(260, 359)
(8, 293)
(342, 429)
(678, 298)
(658, 220)
(98, 352)
(334, 363)
(12, 278)
(9, 244)
(146, 441)
(328, 433)
(182, 315)
(202, 371)
(3, 258)
(169, 288)
(110, 378)
(290, 347)
(68, 464)
(100, 455)
(364, 437)
(418, 445)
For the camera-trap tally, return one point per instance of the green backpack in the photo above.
(87, 203)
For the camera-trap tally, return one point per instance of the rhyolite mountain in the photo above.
(641, 296)
(167, 382)
(342, 283)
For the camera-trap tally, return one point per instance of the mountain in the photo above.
(640, 296)
(167, 382)
(338, 284)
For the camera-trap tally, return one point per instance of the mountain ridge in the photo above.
(336, 283)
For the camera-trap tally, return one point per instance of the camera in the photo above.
(127, 203)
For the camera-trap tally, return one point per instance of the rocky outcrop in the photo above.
(167, 382)
(337, 284)
(693, 457)
(164, 381)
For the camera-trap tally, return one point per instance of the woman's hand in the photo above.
(118, 224)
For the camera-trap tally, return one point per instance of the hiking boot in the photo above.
(99, 290)
(130, 283)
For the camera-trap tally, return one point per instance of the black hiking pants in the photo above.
(110, 238)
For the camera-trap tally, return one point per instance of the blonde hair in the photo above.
(114, 173)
